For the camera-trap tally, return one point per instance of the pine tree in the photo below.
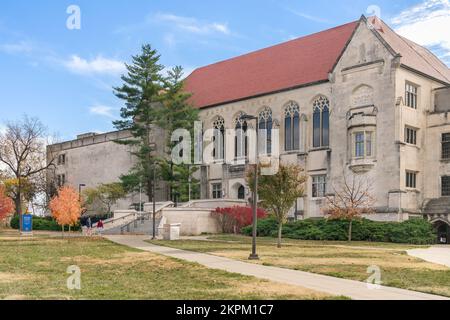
(141, 92)
(177, 113)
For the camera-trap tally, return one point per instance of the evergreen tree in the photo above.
(177, 113)
(141, 92)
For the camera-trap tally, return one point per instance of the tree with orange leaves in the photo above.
(66, 207)
(6, 204)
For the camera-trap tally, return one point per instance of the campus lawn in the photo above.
(338, 259)
(35, 268)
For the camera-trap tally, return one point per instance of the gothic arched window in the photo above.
(292, 127)
(241, 193)
(321, 122)
(219, 138)
(265, 125)
(240, 140)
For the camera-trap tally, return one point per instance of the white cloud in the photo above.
(307, 16)
(102, 110)
(99, 65)
(428, 24)
(21, 47)
(192, 25)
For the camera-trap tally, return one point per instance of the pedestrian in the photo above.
(89, 226)
(100, 227)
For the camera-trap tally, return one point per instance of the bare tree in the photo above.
(24, 157)
(279, 192)
(352, 199)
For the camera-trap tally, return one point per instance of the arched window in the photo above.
(219, 137)
(240, 140)
(292, 127)
(321, 122)
(265, 125)
(241, 193)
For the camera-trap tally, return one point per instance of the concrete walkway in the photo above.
(334, 286)
(436, 254)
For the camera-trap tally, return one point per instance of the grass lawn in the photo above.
(35, 268)
(338, 259)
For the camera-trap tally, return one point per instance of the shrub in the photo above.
(233, 219)
(414, 231)
(42, 224)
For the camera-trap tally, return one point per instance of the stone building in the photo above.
(357, 98)
(93, 159)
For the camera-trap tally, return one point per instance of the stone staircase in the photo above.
(141, 226)
(138, 223)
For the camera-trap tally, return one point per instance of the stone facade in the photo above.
(93, 159)
(366, 93)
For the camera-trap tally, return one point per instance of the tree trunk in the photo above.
(280, 233)
(350, 231)
(62, 230)
(18, 203)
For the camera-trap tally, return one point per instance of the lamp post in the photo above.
(154, 201)
(254, 255)
(81, 185)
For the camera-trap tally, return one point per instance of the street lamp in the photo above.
(81, 185)
(254, 255)
(154, 201)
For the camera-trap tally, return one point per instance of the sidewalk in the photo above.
(338, 287)
(435, 254)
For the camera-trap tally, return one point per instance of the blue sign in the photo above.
(27, 223)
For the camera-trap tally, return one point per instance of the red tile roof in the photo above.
(291, 64)
(298, 62)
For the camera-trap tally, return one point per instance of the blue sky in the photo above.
(65, 77)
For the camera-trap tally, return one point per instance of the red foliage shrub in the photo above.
(233, 219)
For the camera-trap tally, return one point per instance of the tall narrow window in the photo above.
(363, 144)
(410, 135)
(265, 125)
(292, 127)
(241, 193)
(217, 191)
(321, 123)
(445, 186)
(411, 96)
(219, 138)
(411, 179)
(319, 186)
(446, 146)
(359, 145)
(240, 140)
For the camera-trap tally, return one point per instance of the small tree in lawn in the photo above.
(351, 199)
(66, 207)
(279, 192)
(6, 204)
(106, 195)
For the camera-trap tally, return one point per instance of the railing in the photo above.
(143, 217)
(114, 222)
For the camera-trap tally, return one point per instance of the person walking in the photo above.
(89, 226)
(100, 227)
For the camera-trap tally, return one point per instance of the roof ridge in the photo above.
(428, 50)
(407, 41)
(275, 45)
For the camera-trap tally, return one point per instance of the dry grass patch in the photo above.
(35, 268)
